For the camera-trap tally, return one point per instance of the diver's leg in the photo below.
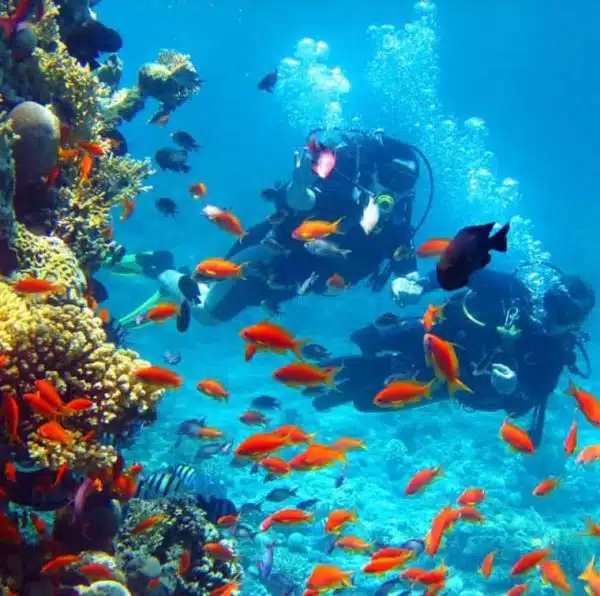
(128, 321)
(406, 335)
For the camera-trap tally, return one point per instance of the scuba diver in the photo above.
(370, 170)
(510, 358)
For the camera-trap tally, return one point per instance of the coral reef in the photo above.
(65, 344)
(156, 552)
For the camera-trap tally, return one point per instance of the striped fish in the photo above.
(174, 480)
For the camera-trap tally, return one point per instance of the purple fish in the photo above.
(81, 494)
(417, 545)
(226, 448)
(265, 566)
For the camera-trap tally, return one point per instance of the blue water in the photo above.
(527, 71)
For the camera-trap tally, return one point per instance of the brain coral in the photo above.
(65, 344)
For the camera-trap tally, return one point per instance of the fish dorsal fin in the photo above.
(483, 230)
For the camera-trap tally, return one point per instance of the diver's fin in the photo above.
(130, 318)
(189, 288)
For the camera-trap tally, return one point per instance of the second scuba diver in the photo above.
(508, 356)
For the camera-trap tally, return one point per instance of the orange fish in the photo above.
(592, 577)
(85, 167)
(286, 517)
(517, 590)
(67, 154)
(78, 405)
(421, 479)
(96, 572)
(316, 457)
(313, 229)
(593, 529)
(107, 233)
(336, 283)
(219, 551)
(528, 561)
(433, 577)
(161, 312)
(213, 389)
(337, 519)
(471, 496)
(352, 544)
(208, 433)
(60, 473)
(442, 522)
(47, 391)
(400, 393)
(88, 436)
(589, 454)
(267, 336)
(345, 444)
(4, 360)
(553, 574)
(53, 431)
(227, 521)
(383, 565)
(38, 523)
(487, 565)
(391, 552)
(545, 487)
(275, 466)
(470, 514)
(254, 418)
(516, 437)
(10, 472)
(325, 578)
(432, 315)
(198, 189)
(52, 176)
(442, 356)
(104, 316)
(433, 247)
(588, 404)
(218, 268)
(147, 523)
(184, 562)
(294, 434)
(93, 148)
(158, 377)
(39, 406)
(261, 444)
(58, 563)
(33, 285)
(303, 374)
(227, 589)
(249, 352)
(128, 208)
(228, 222)
(570, 443)
(10, 414)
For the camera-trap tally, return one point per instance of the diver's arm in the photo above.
(300, 196)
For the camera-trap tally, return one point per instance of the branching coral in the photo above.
(65, 344)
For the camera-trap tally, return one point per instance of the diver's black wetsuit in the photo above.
(397, 351)
(371, 255)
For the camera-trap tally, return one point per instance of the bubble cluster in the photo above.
(404, 72)
(311, 92)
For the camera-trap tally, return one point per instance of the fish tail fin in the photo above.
(345, 252)
(457, 385)
(336, 225)
(331, 372)
(428, 387)
(242, 267)
(347, 581)
(310, 516)
(589, 572)
(310, 437)
(340, 456)
(297, 349)
(589, 522)
(498, 240)
(570, 390)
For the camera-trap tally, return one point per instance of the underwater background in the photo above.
(502, 97)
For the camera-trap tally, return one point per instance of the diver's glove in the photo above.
(300, 195)
(504, 379)
(407, 289)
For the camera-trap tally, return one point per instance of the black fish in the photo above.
(97, 289)
(172, 481)
(215, 507)
(172, 159)
(281, 494)
(183, 318)
(87, 41)
(266, 402)
(310, 391)
(307, 503)
(119, 142)
(469, 251)
(167, 206)
(185, 140)
(315, 352)
(160, 118)
(189, 288)
(249, 508)
(268, 82)
(190, 427)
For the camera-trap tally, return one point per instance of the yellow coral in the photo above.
(66, 344)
